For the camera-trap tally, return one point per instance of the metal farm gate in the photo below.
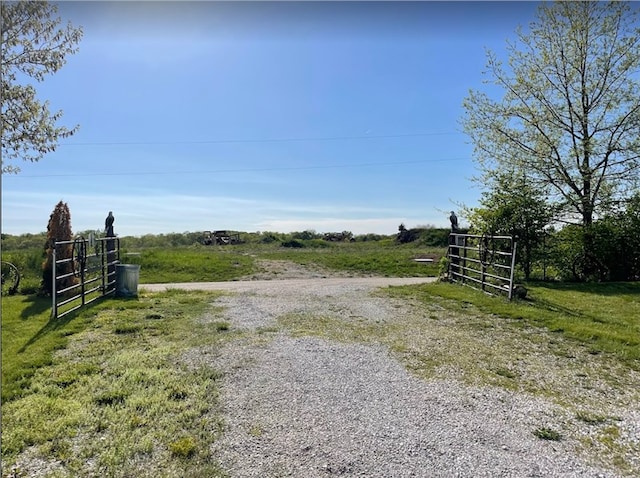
(84, 270)
(483, 262)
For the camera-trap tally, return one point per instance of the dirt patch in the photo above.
(276, 269)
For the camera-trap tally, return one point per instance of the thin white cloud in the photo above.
(356, 226)
(137, 215)
(376, 225)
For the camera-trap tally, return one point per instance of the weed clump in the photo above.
(183, 447)
(127, 329)
(546, 433)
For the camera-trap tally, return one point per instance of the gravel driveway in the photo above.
(303, 406)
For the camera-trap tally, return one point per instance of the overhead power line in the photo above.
(258, 140)
(239, 170)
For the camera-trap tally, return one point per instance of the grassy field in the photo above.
(222, 263)
(203, 264)
(106, 385)
(115, 393)
(216, 263)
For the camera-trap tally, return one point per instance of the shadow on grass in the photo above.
(556, 307)
(599, 288)
(40, 304)
(52, 325)
(37, 306)
(611, 290)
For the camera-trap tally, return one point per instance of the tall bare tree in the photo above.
(34, 44)
(570, 114)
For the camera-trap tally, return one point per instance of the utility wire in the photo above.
(260, 140)
(246, 170)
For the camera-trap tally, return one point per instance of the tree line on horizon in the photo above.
(544, 252)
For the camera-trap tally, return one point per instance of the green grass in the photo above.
(224, 263)
(118, 394)
(602, 317)
(106, 383)
(185, 264)
(29, 338)
(381, 258)
(593, 320)
(203, 264)
(546, 433)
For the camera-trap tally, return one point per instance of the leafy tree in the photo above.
(570, 115)
(618, 244)
(34, 44)
(267, 237)
(306, 235)
(616, 250)
(58, 229)
(631, 239)
(516, 208)
(437, 237)
(370, 237)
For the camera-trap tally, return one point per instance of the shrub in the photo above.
(269, 237)
(407, 235)
(436, 237)
(305, 235)
(615, 251)
(293, 243)
(58, 229)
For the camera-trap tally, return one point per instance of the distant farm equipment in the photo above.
(338, 236)
(222, 238)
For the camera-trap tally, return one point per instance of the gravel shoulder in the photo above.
(309, 406)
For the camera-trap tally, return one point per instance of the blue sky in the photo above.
(263, 116)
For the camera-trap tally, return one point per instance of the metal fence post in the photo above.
(54, 293)
(103, 268)
(513, 267)
(82, 266)
(544, 255)
(464, 257)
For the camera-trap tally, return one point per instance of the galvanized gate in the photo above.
(483, 262)
(84, 270)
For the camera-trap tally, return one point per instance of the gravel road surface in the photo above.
(309, 407)
(269, 286)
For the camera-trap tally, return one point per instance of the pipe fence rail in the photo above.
(84, 270)
(483, 262)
